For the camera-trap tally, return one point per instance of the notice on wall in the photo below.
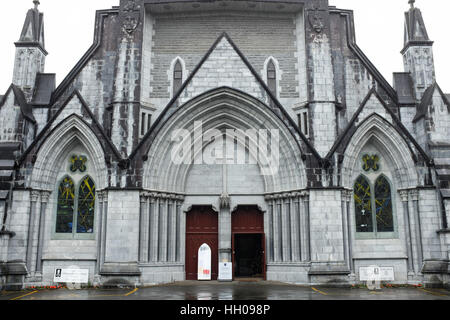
(374, 273)
(204, 263)
(71, 275)
(225, 271)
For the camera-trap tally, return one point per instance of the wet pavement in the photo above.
(264, 290)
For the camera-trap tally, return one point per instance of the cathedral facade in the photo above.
(136, 160)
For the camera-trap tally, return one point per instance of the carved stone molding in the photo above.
(35, 196)
(315, 19)
(286, 195)
(160, 195)
(414, 194)
(404, 196)
(224, 201)
(45, 195)
(347, 195)
(131, 16)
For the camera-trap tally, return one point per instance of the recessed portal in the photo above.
(249, 255)
(249, 258)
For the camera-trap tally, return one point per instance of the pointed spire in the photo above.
(415, 29)
(33, 27)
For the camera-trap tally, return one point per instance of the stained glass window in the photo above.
(378, 201)
(363, 205)
(66, 203)
(383, 205)
(86, 206)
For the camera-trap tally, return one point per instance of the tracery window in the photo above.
(373, 206)
(75, 210)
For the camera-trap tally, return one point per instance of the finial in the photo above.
(411, 2)
(36, 4)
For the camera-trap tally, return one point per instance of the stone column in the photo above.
(345, 226)
(299, 231)
(414, 195)
(348, 198)
(287, 227)
(31, 221)
(105, 224)
(151, 227)
(143, 203)
(173, 228)
(171, 235)
(100, 229)
(156, 231)
(45, 195)
(404, 197)
(163, 231)
(225, 232)
(268, 229)
(178, 202)
(307, 227)
(278, 232)
(295, 242)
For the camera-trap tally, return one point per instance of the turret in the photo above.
(418, 52)
(30, 51)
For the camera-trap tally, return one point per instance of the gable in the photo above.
(74, 105)
(223, 68)
(374, 105)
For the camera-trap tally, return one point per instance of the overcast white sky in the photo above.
(69, 28)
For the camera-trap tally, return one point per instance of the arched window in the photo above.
(75, 207)
(377, 200)
(177, 77)
(86, 206)
(66, 206)
(363, 205)
(272, 77)
(383, 205)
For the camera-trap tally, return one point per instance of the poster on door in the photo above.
(204, 263)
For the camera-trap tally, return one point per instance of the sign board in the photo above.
(71, 275)
(225, 271)
(374, 273)
(204, 263)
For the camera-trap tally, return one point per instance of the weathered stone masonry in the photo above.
(357, 128)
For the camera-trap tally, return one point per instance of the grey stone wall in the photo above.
(122, 227)
(326, 239)
(19, 221)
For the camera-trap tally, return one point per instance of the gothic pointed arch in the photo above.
(222, 109)
(54, 153)
(389, 144)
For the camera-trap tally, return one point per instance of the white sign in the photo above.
(375, 273)
(71, 275)
(225, 271)
(204, 262)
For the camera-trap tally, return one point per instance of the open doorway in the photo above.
(249, 255)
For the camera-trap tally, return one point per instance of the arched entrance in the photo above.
(248, 243)
(202, 225)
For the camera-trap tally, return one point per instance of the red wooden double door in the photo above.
(248, 241)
